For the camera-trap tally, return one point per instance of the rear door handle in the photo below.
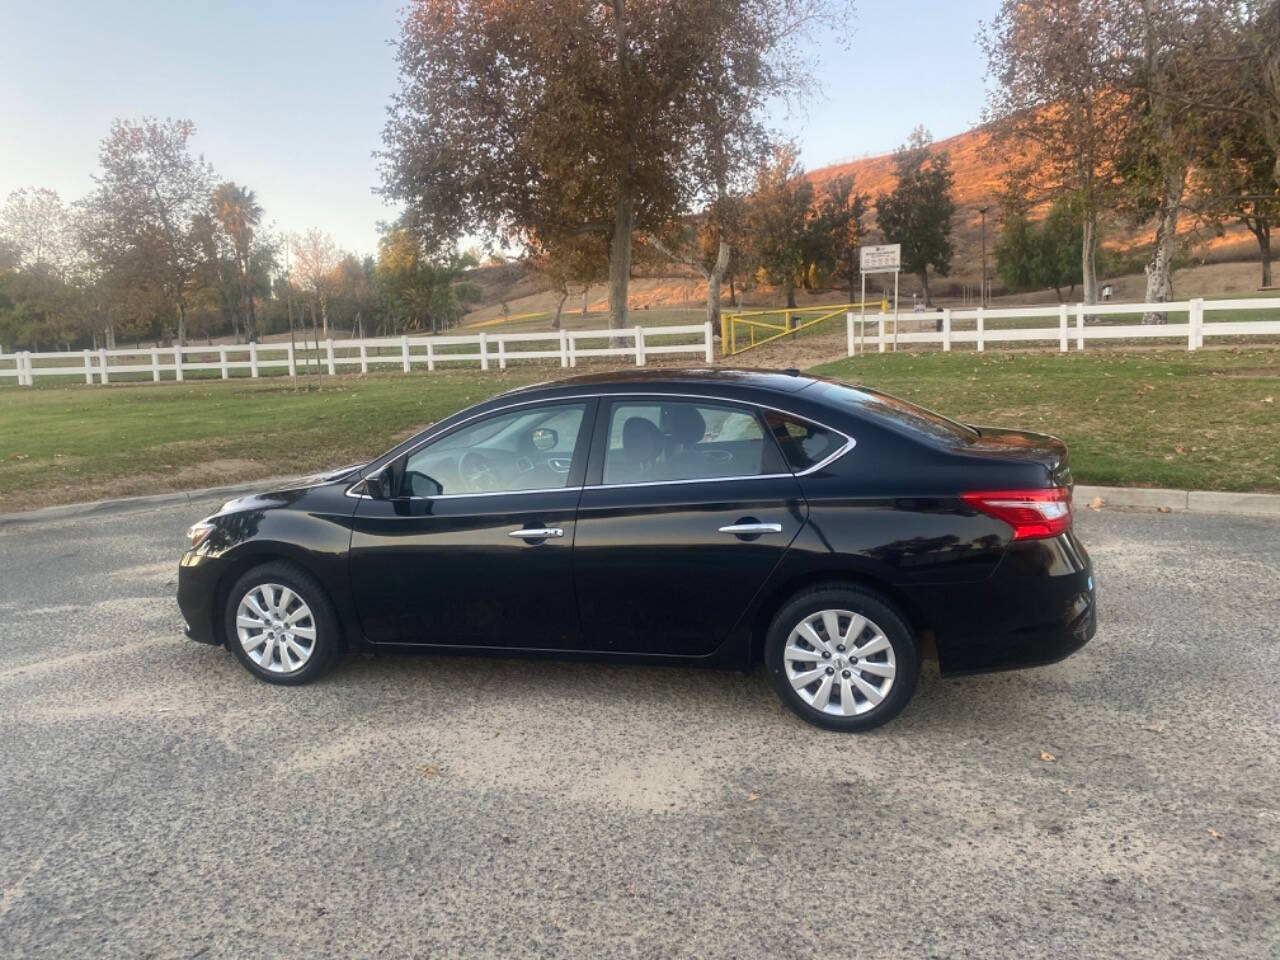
(537, 533)
(751, 529)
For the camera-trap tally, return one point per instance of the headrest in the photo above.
(687, 424)
(641, 439)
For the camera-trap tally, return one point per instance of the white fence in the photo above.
(1075, 324)
(408, 353)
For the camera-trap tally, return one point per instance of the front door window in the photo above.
(531, 448)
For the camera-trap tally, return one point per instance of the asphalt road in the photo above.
(157, 801)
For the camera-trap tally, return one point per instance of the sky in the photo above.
(289, 96)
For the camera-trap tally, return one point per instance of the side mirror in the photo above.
(375, 485)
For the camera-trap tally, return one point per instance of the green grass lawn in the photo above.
(1207, 420)
(71, 443)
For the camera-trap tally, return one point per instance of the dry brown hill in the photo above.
(979, 177)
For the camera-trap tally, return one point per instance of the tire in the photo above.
(277, 658)
(892, 655)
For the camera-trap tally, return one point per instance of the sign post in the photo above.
(881, 258)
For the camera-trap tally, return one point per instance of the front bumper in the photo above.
(1039, 606)
(197, 587)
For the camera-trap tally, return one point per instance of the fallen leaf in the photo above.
(1097, 503)
(1215, 834)
(1068, 791)
(1268, 399)
(1164, 510)
(23, 456)
(1048, 757)
(1154, 728)
(752, 797)
(429, 770)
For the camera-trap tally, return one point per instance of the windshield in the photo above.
(909, 416)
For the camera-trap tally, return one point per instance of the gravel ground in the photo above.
(159, 802)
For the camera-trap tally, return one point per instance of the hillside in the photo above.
(978, 181)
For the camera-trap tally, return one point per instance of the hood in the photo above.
(271, 494)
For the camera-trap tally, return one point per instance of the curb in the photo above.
(1141, 498)
(1182, 501)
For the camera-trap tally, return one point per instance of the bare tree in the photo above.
(315, 260)
(40, 228)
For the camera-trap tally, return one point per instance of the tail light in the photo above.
(1033, 514)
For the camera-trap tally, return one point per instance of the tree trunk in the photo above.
(1159, 269)
(1089, 257)
(250, 314)
(109, 335)
(733, 293)
(182, 323)
(620, 256)
(924, 285)
(315, 340)
(324, 313)
(790, 288)
(586, 292)
(1261, 230)
(564, 295)
(715, 276)
(1173, 167)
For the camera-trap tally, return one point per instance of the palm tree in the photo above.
(238, 212)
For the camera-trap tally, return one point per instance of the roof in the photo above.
(776, 381)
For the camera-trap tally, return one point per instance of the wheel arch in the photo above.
(245, 560)
(783, 591)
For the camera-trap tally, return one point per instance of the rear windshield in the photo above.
(903, 414)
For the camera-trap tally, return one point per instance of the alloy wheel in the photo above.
(839, 663)
(276, 628)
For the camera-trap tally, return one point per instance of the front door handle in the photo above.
(537, 533)
(751, 529)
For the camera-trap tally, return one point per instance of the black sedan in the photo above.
(704, 517)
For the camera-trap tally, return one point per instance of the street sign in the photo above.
(883, 258)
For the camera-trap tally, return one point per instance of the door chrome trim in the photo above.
(460, 496)
(849, 444)
(668, 483)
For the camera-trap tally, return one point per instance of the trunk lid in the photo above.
(1023, 445)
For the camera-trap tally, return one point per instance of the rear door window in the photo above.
(658, 440)
(804, 444)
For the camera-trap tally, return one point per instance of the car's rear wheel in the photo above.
(280, 625)
(842, 657)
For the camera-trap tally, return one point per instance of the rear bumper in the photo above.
(197, 583)
(1039, 606)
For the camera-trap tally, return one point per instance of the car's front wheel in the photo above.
(842, 657)
(280, 625)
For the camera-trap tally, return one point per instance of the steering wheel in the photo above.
(477, 472)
